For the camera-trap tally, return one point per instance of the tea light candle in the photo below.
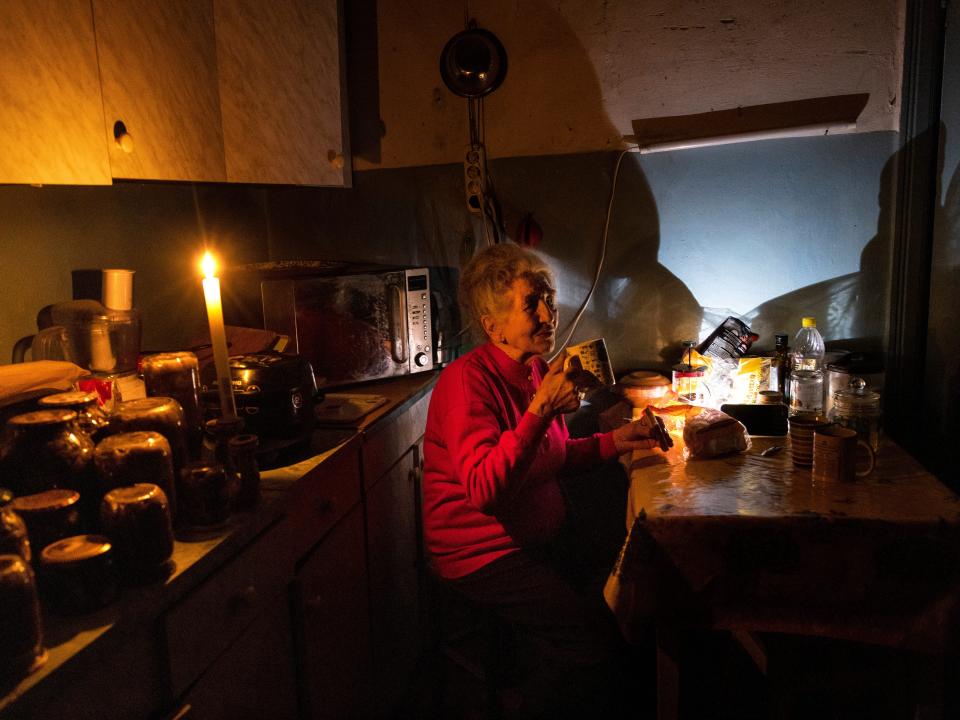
(218, 335)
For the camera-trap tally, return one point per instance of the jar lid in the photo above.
(43, 417)
(857, 397)
(644, 378)
(134, 494)
(46, 500)
(145, 406)
(138, 440)
(69, 399)
(75, 549)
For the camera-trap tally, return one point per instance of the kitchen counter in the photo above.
(82, 640)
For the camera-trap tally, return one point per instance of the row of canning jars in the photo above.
(92, 501)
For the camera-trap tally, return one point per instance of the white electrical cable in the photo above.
(603, 253)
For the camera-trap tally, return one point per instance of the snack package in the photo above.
(734, 381)
(712, 433)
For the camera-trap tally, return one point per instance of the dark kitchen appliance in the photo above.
(275, 395)
(351, 322)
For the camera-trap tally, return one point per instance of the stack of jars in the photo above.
(92, 499)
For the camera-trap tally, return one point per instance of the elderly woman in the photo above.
(495, 443)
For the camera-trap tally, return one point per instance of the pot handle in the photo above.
(20, 348)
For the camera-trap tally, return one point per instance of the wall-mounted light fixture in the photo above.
(797, 118)
(790, 132)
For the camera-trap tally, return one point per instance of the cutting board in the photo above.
(347, 408)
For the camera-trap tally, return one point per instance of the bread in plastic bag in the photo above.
(712, 433)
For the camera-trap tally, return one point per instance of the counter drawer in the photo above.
(322, 497)
(202, 625)
(388, 441)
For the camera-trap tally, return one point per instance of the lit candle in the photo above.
(218, 335)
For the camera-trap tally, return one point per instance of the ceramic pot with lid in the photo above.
(643, 387)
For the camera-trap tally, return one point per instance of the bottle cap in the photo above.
(809, 322)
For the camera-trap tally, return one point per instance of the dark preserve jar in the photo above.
(22, 648)
(91, 419)
(177, 375)
(13, 534)
(159, 414)
(78, 575)
(50, 516)
(133, 458)
(137, 521)
(46, 449)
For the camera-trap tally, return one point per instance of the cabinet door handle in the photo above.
(323, 506)
(123, 138)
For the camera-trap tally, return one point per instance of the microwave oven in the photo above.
(354, 322)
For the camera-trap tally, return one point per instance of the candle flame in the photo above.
(208, 265)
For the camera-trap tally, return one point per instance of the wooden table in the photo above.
(750, 544)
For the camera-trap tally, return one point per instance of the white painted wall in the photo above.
(580, 71)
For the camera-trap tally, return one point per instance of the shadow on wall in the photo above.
(851, 309)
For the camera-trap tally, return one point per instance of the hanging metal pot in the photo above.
(473, 63)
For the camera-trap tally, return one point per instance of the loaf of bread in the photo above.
(712, 433)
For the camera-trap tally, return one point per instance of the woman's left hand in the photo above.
(636, 435)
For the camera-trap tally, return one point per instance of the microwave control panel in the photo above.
(418, 320)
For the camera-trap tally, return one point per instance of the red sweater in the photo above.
(490, 467)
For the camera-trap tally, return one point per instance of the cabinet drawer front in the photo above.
(388, 442)
(200, 627)
(322, 498)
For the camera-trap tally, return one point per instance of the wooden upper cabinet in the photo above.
(280, 69)
(158, 73)
(51, 116)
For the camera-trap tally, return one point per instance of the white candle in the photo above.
(218, 335)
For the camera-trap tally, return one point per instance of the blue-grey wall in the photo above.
(769, 230)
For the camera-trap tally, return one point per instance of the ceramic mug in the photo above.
(594, 359)
(835, 451)
(802, 428)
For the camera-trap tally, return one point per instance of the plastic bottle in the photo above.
(806, 373)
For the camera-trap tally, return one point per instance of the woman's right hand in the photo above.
(558, 391)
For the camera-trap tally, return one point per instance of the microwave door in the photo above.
(398, 325)
(346, 326)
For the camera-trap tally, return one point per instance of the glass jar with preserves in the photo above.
(132, 458)
(137, 521)
(46, 449)
(177, 375)
(86, 405)
(13, 534)
(159, 414)
(78, 574)
(22, 650)
(858, 408)
(49, 516)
